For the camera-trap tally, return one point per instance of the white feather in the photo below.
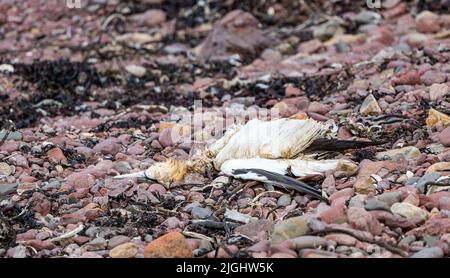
(299, 168)
(278, 139)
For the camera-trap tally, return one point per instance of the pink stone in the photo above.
(334, 214)
(109, 146)
(157, 188)
(444, 137)
(136, 149)
(56, 156)
(81, 180)
(149, 18)
(427, 22)
(360, 219)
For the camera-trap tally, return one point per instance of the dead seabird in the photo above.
(266, 151)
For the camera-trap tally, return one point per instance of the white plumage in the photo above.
(248, 151)
(283, 138)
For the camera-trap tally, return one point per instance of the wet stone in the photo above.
(201, 213)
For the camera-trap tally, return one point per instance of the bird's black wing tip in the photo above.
(284, 181)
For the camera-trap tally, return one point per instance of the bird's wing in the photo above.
(277, 139)
(336, 145)
(274, 172)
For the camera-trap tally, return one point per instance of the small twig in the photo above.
(214, 224)
(241, 188)
(9, 127)
(159, 209)
(226, 228)
(69, 234)
(264, 193)
(4, 137)
(197, 235)
(110, 18)
(228, 251)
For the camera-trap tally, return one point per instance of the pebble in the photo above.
(374, 204)
(171, 245)
(237, 30)
(110, 146)
(98, 243)
(123, 167)
(360, 219)
(156, 187)
(409, 152)
(408, 78)
(391, 198)
(428, 177)
(334, 214)
(173, 223)
(430, 240)
(19, 160)
(205, 245)
(165, 138)
(444, 203)
(81, 180)
(437, 167)
(91, 255)
(427, 22)
(406, 241)
(201, 213)
(149, 18)
(312, 253)
(17, 252)
(289, 228)
(357, 201)
(8, 188)
(344, 195)
(366, 17)
(303, 242)
(444, 137)
(370, 106)
(13, 135)
(341, 239)
(28, 235)
(436, 118)
(410, 212)
(136, 149)
(415, 39)
(318, 108)
(253, 228)
(56, 156)
(434, 226)
(126, 250)
(136, 70)
(364, 183)
(284, 201)
(6, 169)
(40, 244)
(117, 240)
(431, 252)
(439, 91)
(431, 77)
(309, 47)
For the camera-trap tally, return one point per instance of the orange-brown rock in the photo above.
(171, 245)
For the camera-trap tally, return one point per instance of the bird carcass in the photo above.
(267, 151)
